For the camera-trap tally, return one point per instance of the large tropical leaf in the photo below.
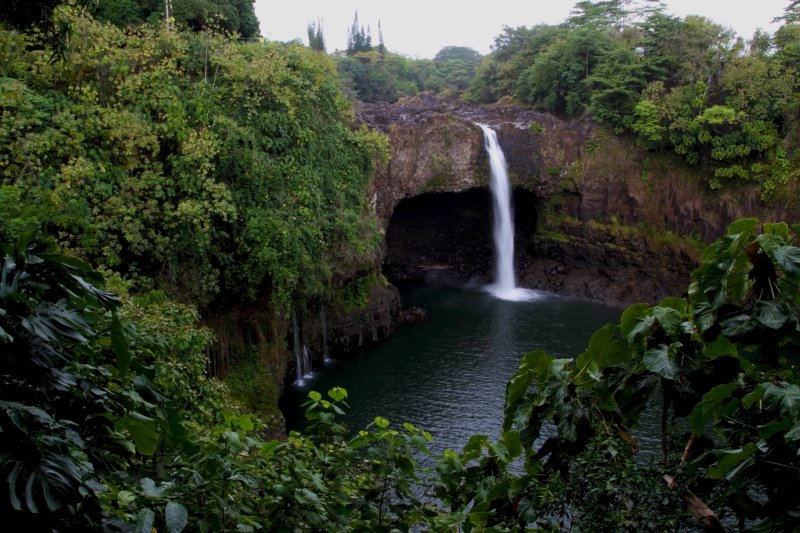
(679, 304)
(710, 407)
(770, 243)
(641, 328)
(793, 434)
(737, 325)
(731, 462)
(670, 320)
(787, 258)
(176, 517)
(713, 281)
(778, 229)
(604, 350)
(742, 226)
(660, 361)
(509, 447)
(771, 313)
(143, 431)
(145, 520)
(534, 365)
(120, 345)
(785, 398)
(630, 318)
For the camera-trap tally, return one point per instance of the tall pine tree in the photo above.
(381, 46)
(358, 40)
(791, 13)
(316, 41)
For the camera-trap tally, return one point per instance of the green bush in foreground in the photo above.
(120, 429)
(716, 369)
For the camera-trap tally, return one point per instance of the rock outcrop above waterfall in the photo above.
(437, 146)
(603, 219)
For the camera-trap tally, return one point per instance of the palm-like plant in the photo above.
(58, 412)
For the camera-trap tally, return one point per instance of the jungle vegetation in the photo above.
(185, 161)
(687, 85)
(110, 423)
(146, 173)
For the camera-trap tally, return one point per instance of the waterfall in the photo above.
(301, 356)
(306, 362)
(323, 318)
(504, 286)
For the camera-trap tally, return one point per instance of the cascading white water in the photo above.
(323, 318)
(301, 355)
(505, 286)
(306, 362)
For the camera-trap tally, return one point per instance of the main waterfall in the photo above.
(505, 285)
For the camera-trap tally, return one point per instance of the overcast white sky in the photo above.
(420, 28)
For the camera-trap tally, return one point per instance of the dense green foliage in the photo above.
(171, 157)
(210, 170)
(58, 412)
(27, 13)
(370, 73)
(685, 85)
(91, 389)
(224, 15)
(110, 424)
(719, 367)
(230, 16)
(375, 76)
(120, 428)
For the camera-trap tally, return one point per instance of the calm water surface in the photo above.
(447, 374)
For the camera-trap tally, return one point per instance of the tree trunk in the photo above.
(707, 518)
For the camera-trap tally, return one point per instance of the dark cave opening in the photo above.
(451, 234)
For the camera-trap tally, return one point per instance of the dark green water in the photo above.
(447, 374)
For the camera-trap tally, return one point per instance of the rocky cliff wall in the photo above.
(613, 223)
(254, 349)
(597, 219)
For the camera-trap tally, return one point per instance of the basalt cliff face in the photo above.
(596, 217)
(438, 147)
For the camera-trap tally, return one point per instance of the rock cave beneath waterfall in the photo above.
(449, 235)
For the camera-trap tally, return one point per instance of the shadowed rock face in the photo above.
(450, 234)
(583, 182)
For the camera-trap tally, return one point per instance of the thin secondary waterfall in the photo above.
(504, 286)
(301, 355)
(306, 361)
(323, 318)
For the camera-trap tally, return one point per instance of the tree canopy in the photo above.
(457, 53)
(171, 157)
(358, 39)
(685, 85)
(316, 39)
(222, 15)
(27, 13)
